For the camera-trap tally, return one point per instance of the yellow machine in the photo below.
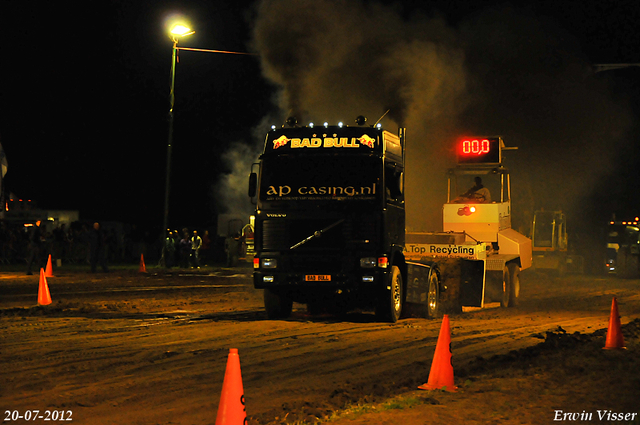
(477, 248)
(550, 244)
(549, 237)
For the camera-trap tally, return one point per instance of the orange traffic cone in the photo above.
(231, 409)
(143, 268)
(44, 297)
(441, 375)
(615, 340)
(49, 271)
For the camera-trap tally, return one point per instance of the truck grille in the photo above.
(280, 235)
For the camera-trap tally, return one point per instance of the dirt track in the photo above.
(151, 348)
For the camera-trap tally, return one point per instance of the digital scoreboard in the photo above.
(479, 150)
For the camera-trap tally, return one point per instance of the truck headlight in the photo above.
(269, 263)
(368, 262)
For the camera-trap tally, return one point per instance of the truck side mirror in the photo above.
(253, 184)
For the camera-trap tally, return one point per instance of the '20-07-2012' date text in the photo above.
(34, 415)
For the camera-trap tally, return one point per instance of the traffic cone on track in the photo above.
(231, 409)
(615, 341)
(44, 297)
(49, 270)
(441, 374)
(143, 268)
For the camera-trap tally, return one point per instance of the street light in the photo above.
(176, 31)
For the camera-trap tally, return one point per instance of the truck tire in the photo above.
(278, 306)
(514, 290)
(389, 306)
(433, 296)
(510, 285)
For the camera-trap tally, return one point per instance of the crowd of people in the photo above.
(98, 245)
(186, 250)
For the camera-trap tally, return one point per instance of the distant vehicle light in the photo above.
(368, 262)
(367, 279)
(268, 279)
(383, 262)
(269, 263)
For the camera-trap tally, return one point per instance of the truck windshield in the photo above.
(309, 180)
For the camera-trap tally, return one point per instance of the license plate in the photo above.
(317, 278)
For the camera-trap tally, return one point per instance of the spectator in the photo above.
(185, 250)
(232, 249)
(206, 246)
(34, 255)
(97, 249)
(169, 251)
(196, 244)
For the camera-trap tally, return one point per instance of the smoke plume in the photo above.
(502, 72)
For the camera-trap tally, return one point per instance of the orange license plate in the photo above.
(317, 277)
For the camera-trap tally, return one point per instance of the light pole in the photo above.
(176, 32)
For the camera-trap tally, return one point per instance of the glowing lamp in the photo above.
(466, 210)
(181, 30)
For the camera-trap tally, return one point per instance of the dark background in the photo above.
(84, 100)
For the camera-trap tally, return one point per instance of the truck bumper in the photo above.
(362, 280)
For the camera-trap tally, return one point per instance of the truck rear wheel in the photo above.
(433, 296)
(278, 306)
(390, 302)
(510, 285)
(514, 277)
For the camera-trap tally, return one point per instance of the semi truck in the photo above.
(330, 228)
(623, 248)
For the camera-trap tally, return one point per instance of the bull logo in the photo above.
(367, 141)
(280, 141)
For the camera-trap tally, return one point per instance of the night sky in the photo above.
(84, 97)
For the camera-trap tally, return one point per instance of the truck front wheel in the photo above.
(390, 302)
(277, 305)
(433, 296)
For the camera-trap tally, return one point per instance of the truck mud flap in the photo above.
(472, 283)
(417, 296)
(417, 283)
(461, 282)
